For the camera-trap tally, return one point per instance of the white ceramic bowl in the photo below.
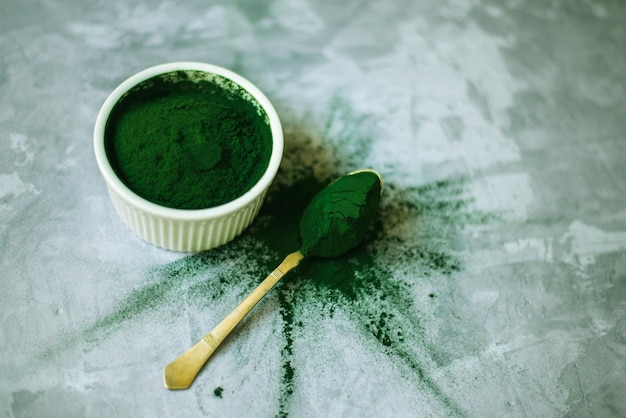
(182, 229)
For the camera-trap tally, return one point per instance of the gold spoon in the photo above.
(321, 236)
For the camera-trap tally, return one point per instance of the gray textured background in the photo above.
(525, 100)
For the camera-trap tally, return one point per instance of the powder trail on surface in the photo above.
(388, 286)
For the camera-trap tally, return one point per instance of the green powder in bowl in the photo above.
(187, 140)
(188, 151)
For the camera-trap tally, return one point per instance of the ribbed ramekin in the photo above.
(182, 229)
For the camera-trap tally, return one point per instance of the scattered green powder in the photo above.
(372, 283)
(187, 142)
(362, 283)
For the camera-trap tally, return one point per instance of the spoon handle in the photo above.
(180, 373)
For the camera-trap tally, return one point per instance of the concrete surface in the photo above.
(497, 284)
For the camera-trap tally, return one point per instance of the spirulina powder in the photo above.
(188, 140)
(393, 287)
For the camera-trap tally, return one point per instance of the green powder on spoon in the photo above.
(338, 217)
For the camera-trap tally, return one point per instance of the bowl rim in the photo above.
(155, 209)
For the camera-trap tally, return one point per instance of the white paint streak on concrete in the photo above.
(11, 185)
(587, 242)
